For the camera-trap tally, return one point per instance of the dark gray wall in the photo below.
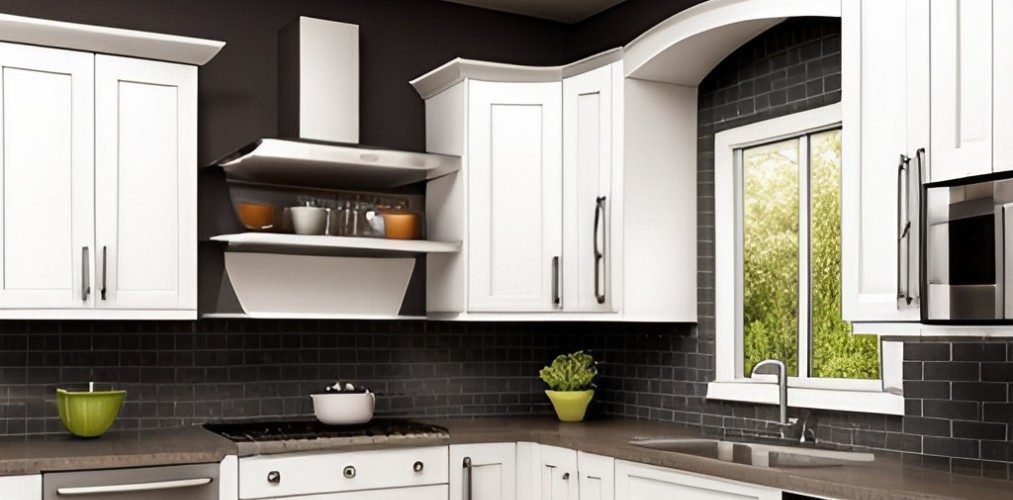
(619, 25)
(399, 40)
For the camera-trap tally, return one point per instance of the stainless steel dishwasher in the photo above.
(192, 482)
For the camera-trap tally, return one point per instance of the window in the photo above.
(778, 266)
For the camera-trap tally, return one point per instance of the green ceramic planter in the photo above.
(89, 414)
(570, 406)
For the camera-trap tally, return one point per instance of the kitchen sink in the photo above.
(757, 454)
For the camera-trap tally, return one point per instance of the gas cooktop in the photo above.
(287, 430)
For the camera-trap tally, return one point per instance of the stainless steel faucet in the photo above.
(776, 367)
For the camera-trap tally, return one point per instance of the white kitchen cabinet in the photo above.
(647, 482)
(596, 476)
(589, 161)
(515, 208)
(98, 184)
(962, 87)
(885, 85)
(1002, 79)
(558, 473)
(46, 139)
(21, 487)
(145, 184)
(484, 471)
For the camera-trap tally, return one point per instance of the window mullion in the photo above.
(804, 261)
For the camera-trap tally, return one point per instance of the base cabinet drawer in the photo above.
(417, 493)
(270, 476)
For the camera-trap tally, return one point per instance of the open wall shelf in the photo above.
(333, 166)
(334, 245)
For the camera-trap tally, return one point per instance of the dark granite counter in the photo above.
(886, 478)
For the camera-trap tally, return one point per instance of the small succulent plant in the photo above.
(570, 372)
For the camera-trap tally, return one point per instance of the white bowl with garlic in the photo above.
(343, 404)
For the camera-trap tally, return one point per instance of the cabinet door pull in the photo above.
(903, 227)
(557, 301)
(85, 274)
(912, 265)
(467, 478)
(105, 265)
(599, 255)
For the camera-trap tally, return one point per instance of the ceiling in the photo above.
(567, 11)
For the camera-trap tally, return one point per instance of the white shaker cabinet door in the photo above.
(484, 471)
(146, 184)
(515, 200)
(597, 476)
(46, 180)
(885, 118)
(587, 190)
(647, 482)
(558, 473)
(1002, 80)
(962, 88)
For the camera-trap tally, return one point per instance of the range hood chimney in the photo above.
(318, 81)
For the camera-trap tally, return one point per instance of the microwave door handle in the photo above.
(912, 264)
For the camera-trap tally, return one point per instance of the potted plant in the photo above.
(570, 378)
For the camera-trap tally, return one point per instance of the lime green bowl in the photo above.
(89, 414)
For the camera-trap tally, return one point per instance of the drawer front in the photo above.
(437, 492)
(317, 473)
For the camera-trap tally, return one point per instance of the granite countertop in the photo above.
(188, 445)
(886, 478)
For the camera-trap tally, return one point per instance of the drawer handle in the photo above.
(124, 488)
(566, 476)
(274, 477)
(418, 466)
(349, 472)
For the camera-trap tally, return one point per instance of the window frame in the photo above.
(873, 396)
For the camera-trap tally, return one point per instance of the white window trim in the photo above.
(868, 396)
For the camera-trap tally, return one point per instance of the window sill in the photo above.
(819, 399)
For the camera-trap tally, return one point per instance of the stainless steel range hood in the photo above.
(318, 121)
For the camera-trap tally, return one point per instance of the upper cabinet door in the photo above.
(962, 88)
(146, 184)
(885, 84)
(46, 180)
(515, 208)
(587, 191)
(1002, 79)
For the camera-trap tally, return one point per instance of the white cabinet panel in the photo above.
(645, 482)
(492, 471)
(146, 184)
(597, 476)
(961, 88)
(46, 139)
(21, 487)
(436, 492)
(886, 114)
(558, 473)
(587, 191)
(1002, 74)
(514, 197)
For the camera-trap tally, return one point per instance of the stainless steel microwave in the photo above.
(967, 239)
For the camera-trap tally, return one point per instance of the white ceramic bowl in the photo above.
(338, 408)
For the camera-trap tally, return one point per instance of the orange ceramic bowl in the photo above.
(257, 216)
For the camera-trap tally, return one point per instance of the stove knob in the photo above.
(274, 477)
(418, 466)
(349, 472)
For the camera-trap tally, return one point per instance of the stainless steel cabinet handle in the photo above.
(903, 226)
(274, 477)
(599, 213)
(105, 265)
(123, 488)
(557, 301)
(85, 274)
(467, 478)
(348, 472)
(914, 263)
(418, 466)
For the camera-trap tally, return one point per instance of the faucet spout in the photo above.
(776, 367)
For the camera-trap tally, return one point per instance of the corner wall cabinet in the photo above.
(546, 205)
(99, 181)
